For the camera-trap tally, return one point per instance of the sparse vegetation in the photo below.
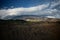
(23, 30)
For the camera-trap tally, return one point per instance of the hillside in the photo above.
(27, 30)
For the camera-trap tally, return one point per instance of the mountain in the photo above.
(25, 16)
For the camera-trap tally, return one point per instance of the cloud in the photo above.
(36, 10)
(55, 3)
(50, 16)
(22, 11)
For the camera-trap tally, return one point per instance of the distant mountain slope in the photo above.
(26, 16)
(31, 18)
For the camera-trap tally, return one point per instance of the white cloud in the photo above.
(36, 10)
(50, 16)
(21, 10)
(53, 4)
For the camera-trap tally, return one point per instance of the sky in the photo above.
(50, 8)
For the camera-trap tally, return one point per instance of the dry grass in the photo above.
(18, 30)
